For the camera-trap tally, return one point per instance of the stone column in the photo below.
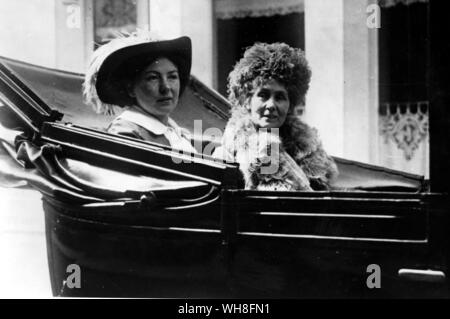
(193, 18)
(73, 34)
(343, 99)
(360, 84)
(143, 14)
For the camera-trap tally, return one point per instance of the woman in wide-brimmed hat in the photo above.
(145, 76)
(275, 149)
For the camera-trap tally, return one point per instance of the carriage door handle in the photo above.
(426, 275)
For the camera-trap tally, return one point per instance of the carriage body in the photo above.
(193, 231)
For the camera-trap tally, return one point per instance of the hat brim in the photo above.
(110, 85)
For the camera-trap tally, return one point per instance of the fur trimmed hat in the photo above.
(114, 64)
(262, 62)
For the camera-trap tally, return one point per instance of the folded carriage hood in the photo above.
(62, 92)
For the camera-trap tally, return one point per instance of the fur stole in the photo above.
(300, 149)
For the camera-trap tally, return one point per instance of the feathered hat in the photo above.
(113, 64)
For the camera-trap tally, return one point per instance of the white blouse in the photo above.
(174, 134)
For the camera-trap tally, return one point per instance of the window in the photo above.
(113, 17)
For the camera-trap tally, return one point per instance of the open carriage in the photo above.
(140, 219)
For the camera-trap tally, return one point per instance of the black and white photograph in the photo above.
(224, 149)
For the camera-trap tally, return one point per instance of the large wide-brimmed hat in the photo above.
(115, 62)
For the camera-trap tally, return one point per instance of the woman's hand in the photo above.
(275, 163)
(265, 160)
(267, 148)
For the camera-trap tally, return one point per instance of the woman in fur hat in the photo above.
(265, 87)
(145, 76)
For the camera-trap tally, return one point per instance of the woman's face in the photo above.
(269, 105)
(157, 88)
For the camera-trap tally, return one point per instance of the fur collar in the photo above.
(297, 139)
